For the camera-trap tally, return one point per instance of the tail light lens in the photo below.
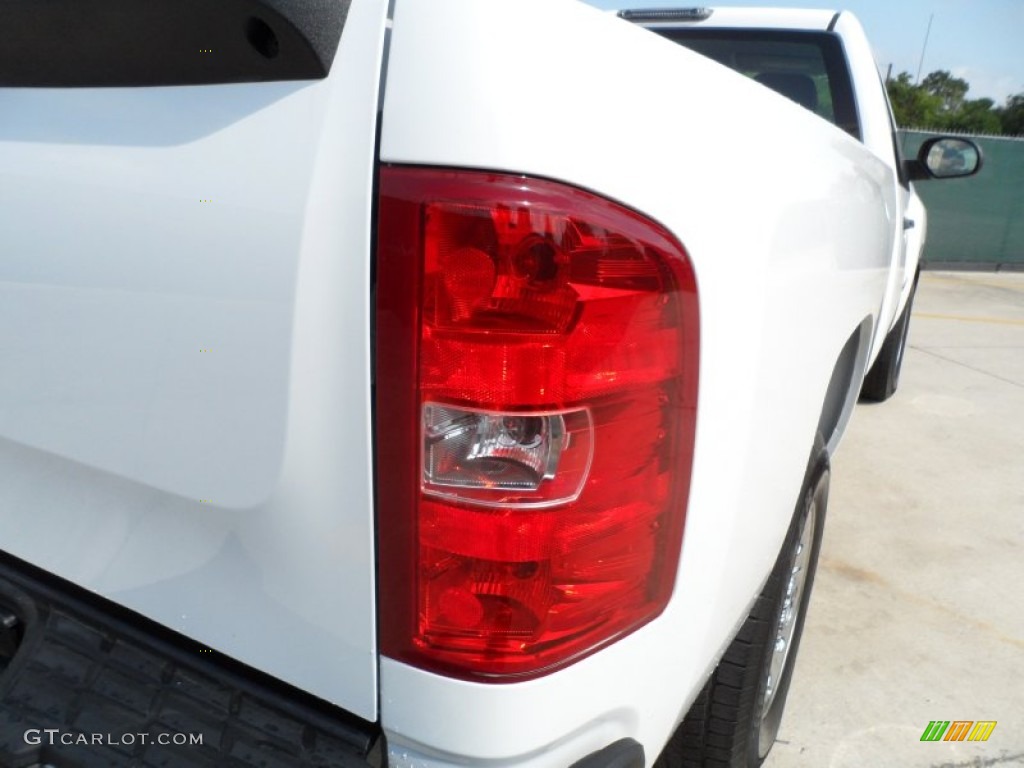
(535, 402)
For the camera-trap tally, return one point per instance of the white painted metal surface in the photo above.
(790, 230)
(184, 357)
(876, 129)
(877, 134)
(186, 388)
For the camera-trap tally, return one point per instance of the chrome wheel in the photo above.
(736, 717)
(787, 618)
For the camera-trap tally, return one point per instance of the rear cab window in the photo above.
(807, 67)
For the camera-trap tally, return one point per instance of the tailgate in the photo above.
(184, 330)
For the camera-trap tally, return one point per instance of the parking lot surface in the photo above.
(917, 613)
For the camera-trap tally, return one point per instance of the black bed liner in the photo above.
(63, 43)
(75, 668)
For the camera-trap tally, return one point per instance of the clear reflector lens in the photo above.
(489, 457)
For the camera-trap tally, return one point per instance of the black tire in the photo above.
(884, 377)
(733, 722)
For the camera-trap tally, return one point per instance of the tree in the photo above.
(1011, 115)
(912, 106)
(951, 90)
(975, 116)
(940, 103)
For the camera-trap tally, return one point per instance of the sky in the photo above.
(981, 41)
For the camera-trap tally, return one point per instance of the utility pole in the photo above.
(917, 80)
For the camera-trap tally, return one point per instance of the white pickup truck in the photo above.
(428, 383)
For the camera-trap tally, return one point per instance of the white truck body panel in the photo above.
(187, 352)
(770, 281)
(876, 127)
(185, 398)
(875, 123)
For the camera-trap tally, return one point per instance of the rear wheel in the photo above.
(884, 377)
(735, 719)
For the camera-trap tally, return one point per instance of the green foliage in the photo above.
(1012, 115)
(912, 105)
(976, 116)
(940, 103)
(950, 90)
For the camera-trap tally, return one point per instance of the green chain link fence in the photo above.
(978, 222)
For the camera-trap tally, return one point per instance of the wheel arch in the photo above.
(844, 385)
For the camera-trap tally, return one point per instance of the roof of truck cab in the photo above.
(755, 18)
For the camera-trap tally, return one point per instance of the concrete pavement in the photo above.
(918, 609)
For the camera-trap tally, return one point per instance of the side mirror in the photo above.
(945, 157)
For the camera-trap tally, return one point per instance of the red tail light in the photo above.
(535, 401)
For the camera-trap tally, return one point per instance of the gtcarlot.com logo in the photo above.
(55, 736)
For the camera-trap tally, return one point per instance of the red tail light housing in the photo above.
(537, 361)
